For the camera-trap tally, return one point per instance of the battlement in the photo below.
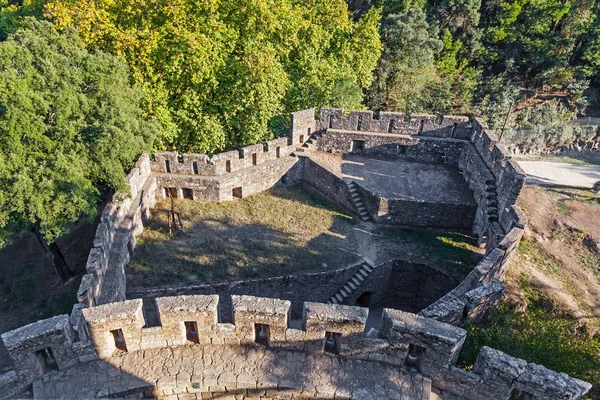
(457, 127)
(405, 340)
(221, 163)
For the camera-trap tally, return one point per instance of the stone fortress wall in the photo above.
(102, 319)
(405, 341)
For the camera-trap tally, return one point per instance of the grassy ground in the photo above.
(550, 314)
(543, 333)
(282, 231)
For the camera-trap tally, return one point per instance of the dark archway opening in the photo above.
(364, 300)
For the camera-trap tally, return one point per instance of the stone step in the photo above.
(339, 297)
(344, 292)
(356, 280)
(352, 285)
(348, 288)
(491, 188)
(364, 218)
(368, 267)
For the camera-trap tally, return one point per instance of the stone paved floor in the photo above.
(400, 178)
(190, 371)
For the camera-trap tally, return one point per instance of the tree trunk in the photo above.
(55, 255)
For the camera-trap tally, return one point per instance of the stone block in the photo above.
(41, 347)
(248, 311)
(434, 346)
(115, 324)
(198, 311)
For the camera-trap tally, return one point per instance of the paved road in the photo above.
(560, 174)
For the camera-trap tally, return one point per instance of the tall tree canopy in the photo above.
(69, 120)
(218, 71)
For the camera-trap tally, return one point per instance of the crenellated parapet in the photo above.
(408, 341)
(221, 163)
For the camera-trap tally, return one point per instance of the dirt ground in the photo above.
(561, 251)
(282, 231)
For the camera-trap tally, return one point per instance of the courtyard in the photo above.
(283, 231)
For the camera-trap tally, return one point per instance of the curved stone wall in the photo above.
(330, 335)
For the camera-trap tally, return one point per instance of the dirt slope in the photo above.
(561, 251)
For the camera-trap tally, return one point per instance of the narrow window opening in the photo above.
(119, 339)
(358, 146)
(254, 159)
(262, 334)
(188, 194)
(391, 126)
(278, 152)
(301, 139)
(171, 192)
(228, 165)
(180, 159)
(309, 131)
(414, 357)
(167, 166)
(237, 192)
(332, 342)
(46, 360)
(195, 168)
(421, 124)
(191, 331)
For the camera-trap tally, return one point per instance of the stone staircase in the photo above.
(358, 203)
(310, 144)
(492, 200)
(364, 271)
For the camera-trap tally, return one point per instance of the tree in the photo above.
(12, 13)
(69, 120)
(217, 71)
(406, 77)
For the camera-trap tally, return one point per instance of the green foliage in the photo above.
(546, 126)
(218, 71)
(542, 334)
(406, 78)
(12, 14)
(69, 120)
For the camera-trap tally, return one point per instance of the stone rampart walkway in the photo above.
(226, 372)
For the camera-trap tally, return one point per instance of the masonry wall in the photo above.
(412, 287)
(481, 290)
(120, 222)
(317, 287)
(327, 183)
(407, 341)
(414, 148)
(429, 214)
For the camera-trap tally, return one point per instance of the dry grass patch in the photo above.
(282, 231)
